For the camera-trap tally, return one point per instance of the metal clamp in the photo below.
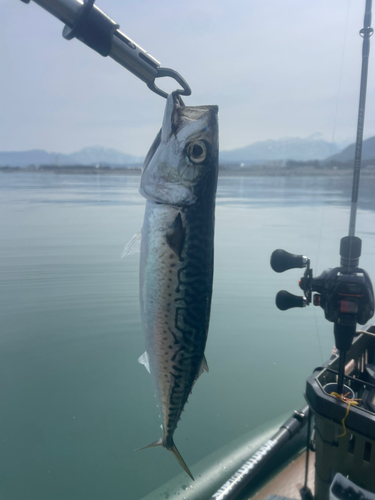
(86, 22)
(162, 72)
(93, 28)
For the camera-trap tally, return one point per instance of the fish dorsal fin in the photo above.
(133, 245)
(176, 235)
(203, 367)
(143, 360)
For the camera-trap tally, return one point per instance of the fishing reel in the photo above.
(344, 293)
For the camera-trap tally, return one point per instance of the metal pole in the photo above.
(341, 372)
(366, 32)
(66, 10)
(85, 21)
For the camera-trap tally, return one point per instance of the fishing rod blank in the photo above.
(366, 33)
(345, 293)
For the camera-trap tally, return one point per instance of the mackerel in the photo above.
(179, 181)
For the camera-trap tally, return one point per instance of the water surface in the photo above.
(75, 404)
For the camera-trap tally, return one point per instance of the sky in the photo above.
(275, 68)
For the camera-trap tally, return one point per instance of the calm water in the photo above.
(75, 404)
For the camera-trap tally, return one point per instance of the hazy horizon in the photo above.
(341, 144)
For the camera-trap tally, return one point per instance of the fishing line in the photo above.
(330, 155)
(340, 80)
(349, 402)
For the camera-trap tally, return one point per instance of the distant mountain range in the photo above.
(289, 148)
(87, 156)
(347, 154)
(299, 149)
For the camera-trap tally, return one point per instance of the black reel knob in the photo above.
(286, 300)
(282, 261)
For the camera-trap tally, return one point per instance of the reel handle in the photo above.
(282, 261)
(286, 300)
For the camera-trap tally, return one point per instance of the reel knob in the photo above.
(282, 261)
(286, 300)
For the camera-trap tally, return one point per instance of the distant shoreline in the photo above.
(256, 171)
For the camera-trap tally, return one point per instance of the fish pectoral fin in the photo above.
(143, 360)
(132, 246)
(176, 235)
(180, 460)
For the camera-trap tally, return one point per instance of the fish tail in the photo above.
(179, 459)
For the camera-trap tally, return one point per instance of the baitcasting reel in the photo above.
(345, 293)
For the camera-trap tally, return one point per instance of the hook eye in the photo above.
(166, 72)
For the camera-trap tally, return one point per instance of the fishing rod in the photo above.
(86, 22)
(366, 32)
(345, 293)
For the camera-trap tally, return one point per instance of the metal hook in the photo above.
(163, 72)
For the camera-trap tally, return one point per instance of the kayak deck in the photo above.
(288, 481)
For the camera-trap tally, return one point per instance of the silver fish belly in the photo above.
(179, 180)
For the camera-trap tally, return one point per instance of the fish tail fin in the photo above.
(159, 442)
(180, 460)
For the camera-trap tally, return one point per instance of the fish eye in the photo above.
(197, 152)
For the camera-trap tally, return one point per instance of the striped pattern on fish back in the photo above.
(192, 303)
(176, 286)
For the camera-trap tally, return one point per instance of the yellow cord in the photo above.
(349, 402)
